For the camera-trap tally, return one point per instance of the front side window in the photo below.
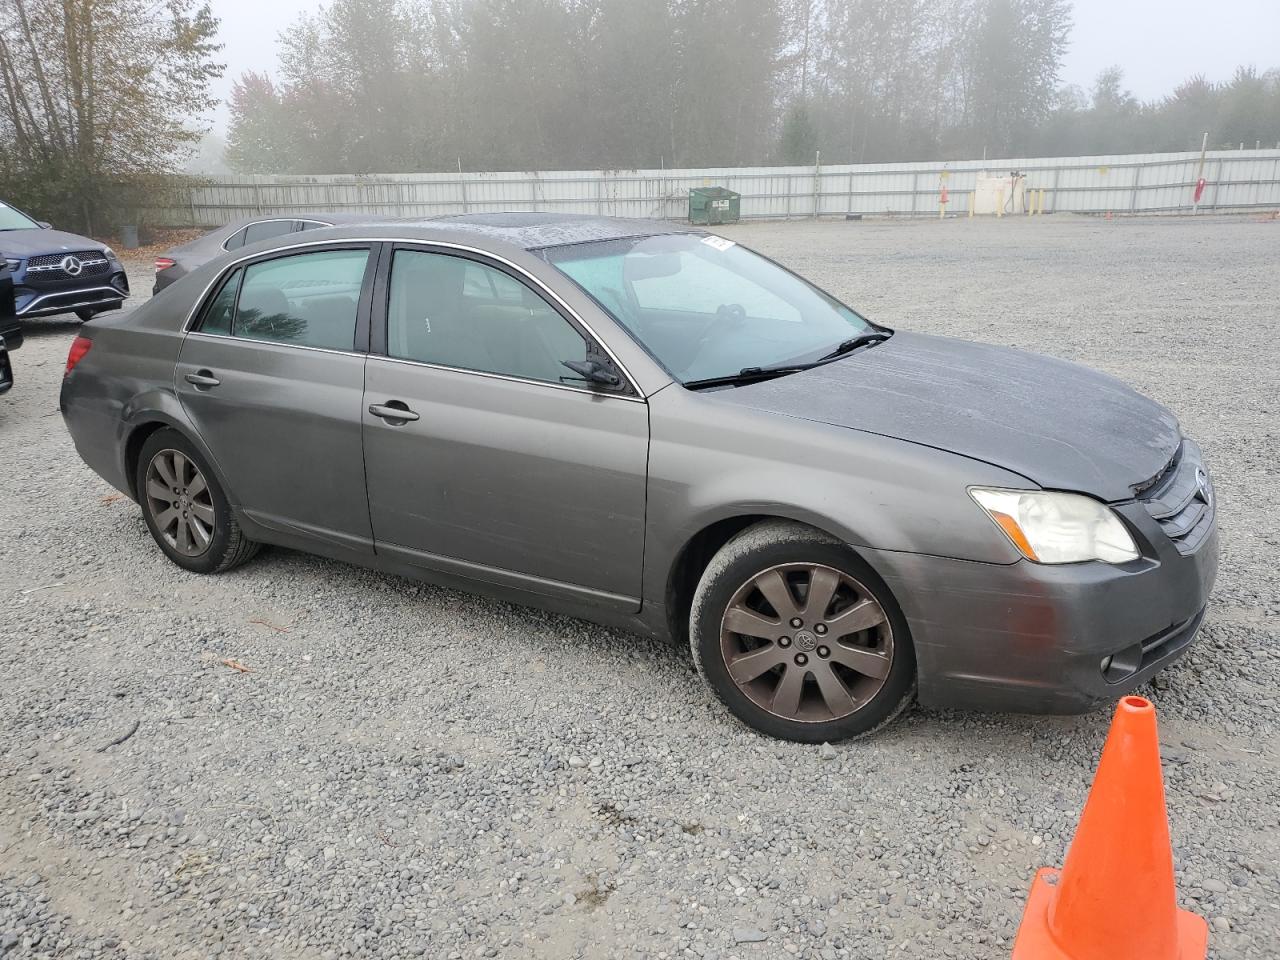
(309, 300)
(705, 307)
(456, 312)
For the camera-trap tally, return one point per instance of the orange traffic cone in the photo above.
(1114, 898)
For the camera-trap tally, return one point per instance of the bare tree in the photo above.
(95, 89)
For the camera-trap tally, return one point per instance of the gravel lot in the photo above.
(412, 771)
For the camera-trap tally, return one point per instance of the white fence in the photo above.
(1136, 183)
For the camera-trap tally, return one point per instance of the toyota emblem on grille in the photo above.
(1202, 482)
(72, 266)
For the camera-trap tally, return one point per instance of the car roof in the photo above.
(534, 230)
(320, 216)
(514, 231)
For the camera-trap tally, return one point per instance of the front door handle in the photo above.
(393, 411)
(203, 378)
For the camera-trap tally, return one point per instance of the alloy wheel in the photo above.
(180, 502)
(806, 642)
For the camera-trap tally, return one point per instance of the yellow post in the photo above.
(1040, 208)
(1029, 202)
(973, 199)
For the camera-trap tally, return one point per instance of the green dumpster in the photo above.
(712, 205)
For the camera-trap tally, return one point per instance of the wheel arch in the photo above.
(147, 420)
(690, 561)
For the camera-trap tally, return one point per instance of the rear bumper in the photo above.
(1033, 638)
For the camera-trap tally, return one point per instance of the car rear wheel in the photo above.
(185, 509)
(799, 637)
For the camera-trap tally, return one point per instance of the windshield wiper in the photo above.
(745, 375)
(756, 374)
(853, 343)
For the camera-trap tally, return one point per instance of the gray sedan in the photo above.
(656, 429)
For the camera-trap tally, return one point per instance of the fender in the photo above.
(871, 491)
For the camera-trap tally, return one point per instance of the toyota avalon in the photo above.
(657, 429)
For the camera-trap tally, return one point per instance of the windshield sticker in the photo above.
(720, 243)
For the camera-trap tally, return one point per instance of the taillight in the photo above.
(79, 347)
(164, 263)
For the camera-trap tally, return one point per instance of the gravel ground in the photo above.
(406, 770)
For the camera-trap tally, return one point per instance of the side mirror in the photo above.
(44, 224)
(593, 371)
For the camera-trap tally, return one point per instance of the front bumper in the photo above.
(1033, 638)
(47, 299)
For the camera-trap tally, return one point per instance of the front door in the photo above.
(273, 383)
(504, 466)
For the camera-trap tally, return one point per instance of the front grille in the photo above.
(1180, 499)
(53, 267)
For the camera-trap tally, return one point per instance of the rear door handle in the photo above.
(203, 378)
(392, 411)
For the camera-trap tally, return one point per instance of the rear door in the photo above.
(504, 466)
(272, 376)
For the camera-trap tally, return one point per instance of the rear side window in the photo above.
(309, 299)
(310, 225)
(217, 318)
(235, 241)
(267, 229)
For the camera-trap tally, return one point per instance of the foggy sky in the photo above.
(1159, 43)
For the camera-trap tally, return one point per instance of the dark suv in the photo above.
(55, 272)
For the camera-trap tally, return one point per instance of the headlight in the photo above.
(109, 253)
(1058, 527)
(12, 264)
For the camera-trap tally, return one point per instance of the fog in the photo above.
(1157, 43)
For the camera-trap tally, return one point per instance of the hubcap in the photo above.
(180, 503)
(769, 638)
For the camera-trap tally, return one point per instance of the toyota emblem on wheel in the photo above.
(72, 266)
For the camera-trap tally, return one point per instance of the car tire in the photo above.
(840, 670)
(86, 315)
(185, 507)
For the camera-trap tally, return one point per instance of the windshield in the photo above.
(11, 219)
(705, 307)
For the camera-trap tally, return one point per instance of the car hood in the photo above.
(32, 243)
(1059, 424)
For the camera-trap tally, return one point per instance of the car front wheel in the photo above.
(799, 637)
(185, 508)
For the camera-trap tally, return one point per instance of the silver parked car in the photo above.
(657, 429)
(176, 262)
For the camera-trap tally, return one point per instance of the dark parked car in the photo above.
(6, 367)
(10, 325)
(656, 429)
(55, 272)
(176, 262)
